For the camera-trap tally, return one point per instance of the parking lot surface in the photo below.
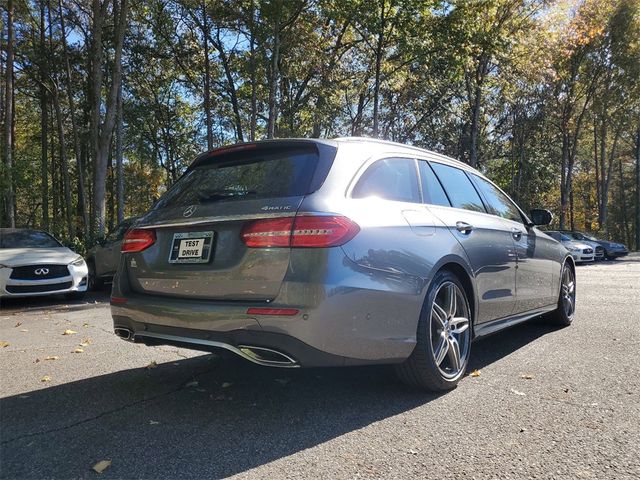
(547, 403)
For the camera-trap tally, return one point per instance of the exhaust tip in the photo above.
(267, 356)
(124, 333)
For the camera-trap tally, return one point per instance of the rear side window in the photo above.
(431, 189)
(252, 174)
(459, 188)
(391, 179)
(497, 201)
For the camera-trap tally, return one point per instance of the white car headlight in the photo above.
(575, 249)
(78, 262)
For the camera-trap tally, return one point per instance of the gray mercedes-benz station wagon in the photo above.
(305, 252)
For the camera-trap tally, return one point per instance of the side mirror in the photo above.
(540, 216)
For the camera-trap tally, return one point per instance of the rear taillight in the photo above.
(272, 232)
(137, 239)
(306, 231)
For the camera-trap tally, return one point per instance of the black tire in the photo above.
(563, 315)
(93, 282)
(420, 370)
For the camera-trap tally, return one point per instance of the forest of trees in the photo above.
(104, 103)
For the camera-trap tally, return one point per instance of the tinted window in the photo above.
(431, 189)
(27, 239)
(392, 179)
(459, 188)
(255, 174)
(497, 201)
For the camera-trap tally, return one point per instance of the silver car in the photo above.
(300, 253)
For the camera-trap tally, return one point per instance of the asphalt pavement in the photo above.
(547, 403)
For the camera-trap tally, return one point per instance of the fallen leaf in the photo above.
(517, 392)
(153, 422)
(52, 357)
(522, 430)
(4, 344)
(24, 330)
(153, 364)
(23, 396)
(226, 384)
(46, 378)
(69, 332)
(526, 376)
(37, 360)
(18, 324)
(78, 350)
(85, 342)
(85, 324)
(192, 383)
(566, 390)
(101, 466)
(282, 381)
(413, 452)
(475, 373)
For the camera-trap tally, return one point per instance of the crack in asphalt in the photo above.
(106, 413)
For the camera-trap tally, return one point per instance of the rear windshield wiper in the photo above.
(224, 195)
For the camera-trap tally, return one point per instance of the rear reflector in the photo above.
(285, 312)
(306, 231)
(117, 300)
(137, 239)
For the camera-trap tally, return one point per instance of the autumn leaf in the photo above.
(526, 376)
(153, 364)
(85, 342)
(46, 378)
(52, 357)
(226, 384)
(78, 350)
(4, 344)
(101, 466)
(475, 373)
(69, 332)
(17, 324)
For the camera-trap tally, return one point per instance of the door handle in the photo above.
(516, 233)
(464, 227)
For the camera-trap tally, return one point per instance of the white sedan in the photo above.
(581, 252)
(33, 263)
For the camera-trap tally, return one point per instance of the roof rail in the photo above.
(396, 144)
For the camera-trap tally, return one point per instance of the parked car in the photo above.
(33, 263)
(598, 250)
(351, 251)
(611, 250)
(581, 252)
(104, 257)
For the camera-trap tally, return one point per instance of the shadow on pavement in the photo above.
(204, 417)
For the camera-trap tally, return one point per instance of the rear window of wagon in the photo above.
(247, 174)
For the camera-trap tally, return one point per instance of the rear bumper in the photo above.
(350, 317)
(280, 350)
(617, 253)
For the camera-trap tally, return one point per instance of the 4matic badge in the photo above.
(277, 208)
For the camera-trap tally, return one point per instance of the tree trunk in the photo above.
(102, 132)
(606, 180)
(82, 196)
(623, 205)
(637, 202)
(273, 80)
(207, 76)
(252, 66)
(376, 85)
(9, 213)
(44, 123)
(119, 164)
(563, 179)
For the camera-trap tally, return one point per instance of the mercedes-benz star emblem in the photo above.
(189, 211)
(41, 271)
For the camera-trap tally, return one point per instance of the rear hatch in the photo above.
(198, 251)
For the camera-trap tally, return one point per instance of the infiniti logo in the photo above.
(189, 211)
(41, 271)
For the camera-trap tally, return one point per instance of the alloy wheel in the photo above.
(568, 292)
(450, 330)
